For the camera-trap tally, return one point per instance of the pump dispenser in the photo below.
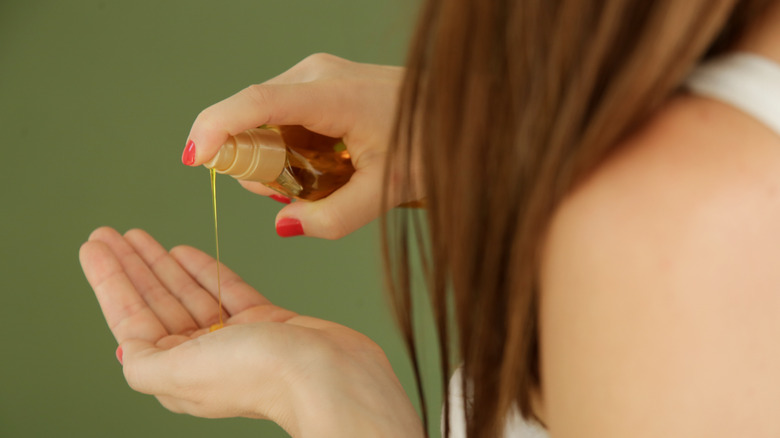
(292, 160)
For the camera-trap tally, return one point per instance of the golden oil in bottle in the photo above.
(292, 160)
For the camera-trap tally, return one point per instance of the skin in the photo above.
(331, 96)
(659, 312)
(312, 377)
(660, 303)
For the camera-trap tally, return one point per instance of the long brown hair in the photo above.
(506, 106)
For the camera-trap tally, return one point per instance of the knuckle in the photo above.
(319, 59)
(321, 63)
(206, 119)
(259, 93)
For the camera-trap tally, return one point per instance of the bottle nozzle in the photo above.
(255, 155)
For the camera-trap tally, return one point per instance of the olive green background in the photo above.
(96, 100)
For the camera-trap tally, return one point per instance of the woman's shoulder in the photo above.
(660, 282)
(698, 169)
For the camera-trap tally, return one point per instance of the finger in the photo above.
(168, 309)
(196, 409)
(176, 365)
(127, 314)
(258, 188)
(263, 190)
(352, 206)
(173, 404)
(306, 104)
(200, 304)
(182, 378)
(237, 296)
(139, 357)
(171, 341)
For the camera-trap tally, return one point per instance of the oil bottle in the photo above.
(292, 160)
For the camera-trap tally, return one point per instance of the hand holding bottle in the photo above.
(312, 377)
(330, 96)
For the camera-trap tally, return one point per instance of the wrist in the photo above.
(354, 400)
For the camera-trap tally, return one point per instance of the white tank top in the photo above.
(746, 81)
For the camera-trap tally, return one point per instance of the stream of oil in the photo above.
(213, 175)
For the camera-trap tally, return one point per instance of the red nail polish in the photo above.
(188, 156)
(289, 227)
(280, 198)
(119, 354)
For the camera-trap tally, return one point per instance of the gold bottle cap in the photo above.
(255, 155)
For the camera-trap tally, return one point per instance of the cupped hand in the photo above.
(312, 377)
(331, 96)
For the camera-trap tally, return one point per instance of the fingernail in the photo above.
(280, 198)
(188, 156)
(289, 227)
(119, 355)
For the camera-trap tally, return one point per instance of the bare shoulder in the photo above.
(660, 284)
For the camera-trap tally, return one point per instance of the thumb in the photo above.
(350, 207)
(147, 367)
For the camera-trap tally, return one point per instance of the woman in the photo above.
(609, 240)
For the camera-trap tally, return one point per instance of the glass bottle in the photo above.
(292, 160)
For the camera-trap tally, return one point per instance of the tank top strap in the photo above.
(744, 80)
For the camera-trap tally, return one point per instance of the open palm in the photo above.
(267, 362)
